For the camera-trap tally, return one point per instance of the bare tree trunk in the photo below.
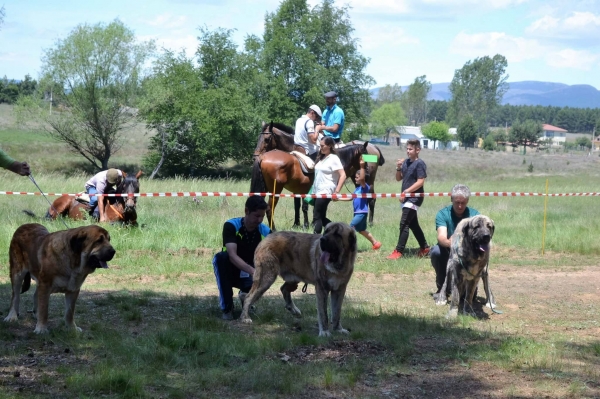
(161, 129)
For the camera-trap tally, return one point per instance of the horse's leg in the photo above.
(305, 213)
(372, 200)
(297, 205)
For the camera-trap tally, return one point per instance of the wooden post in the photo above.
(545, 211)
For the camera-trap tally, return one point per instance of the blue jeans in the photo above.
(229, 276)
(93, 202)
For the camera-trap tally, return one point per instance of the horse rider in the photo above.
(307, 133)
(333, 118)
(100, 184)
(18, 167)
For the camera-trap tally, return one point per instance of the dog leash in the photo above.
(44, 195)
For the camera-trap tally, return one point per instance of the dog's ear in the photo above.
(77, 241)
(466, 228)
(352, 241)
(492, 227)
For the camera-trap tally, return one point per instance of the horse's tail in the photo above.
(381, 160)
(257, 184)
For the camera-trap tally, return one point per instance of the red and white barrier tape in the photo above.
(283, 195)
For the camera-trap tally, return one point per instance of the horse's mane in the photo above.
(347, 153)
(284, 128)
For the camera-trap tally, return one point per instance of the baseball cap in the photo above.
(112, 175)
(331, 94)
(316, 109)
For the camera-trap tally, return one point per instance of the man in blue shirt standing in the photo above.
(333, 118)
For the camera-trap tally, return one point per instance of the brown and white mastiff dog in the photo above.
(468, 263)
(58, 262)
(325, 261)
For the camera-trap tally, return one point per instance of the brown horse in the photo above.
(284, 168)
(117, 209)
(277, 136)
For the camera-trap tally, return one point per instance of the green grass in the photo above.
(151, 322)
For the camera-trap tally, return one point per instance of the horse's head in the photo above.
(274, 136)
(130, 186)
(350, 157)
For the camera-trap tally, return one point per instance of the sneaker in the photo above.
(377, 245)
(395, 255)
(423, 252)
(228, 315)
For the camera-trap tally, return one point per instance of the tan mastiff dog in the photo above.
(469, 261)
(58, 262)
(326, 261)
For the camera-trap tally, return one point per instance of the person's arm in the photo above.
(399, 163)
(442, 237)
(18, 167)
(101, 205)
(418, 184)
(341, 180)
(236, 260)
(331, 129)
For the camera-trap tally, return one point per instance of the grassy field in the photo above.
(151, 321)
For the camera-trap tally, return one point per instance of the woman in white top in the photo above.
(329, 178)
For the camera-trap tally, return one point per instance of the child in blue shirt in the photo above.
(361, 206)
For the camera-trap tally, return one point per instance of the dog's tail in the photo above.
(26, 283)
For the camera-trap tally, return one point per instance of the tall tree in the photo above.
(386, 118)
(414, 100)
(98, 70)
(389, 94)
(306, 52)
(437, 131)
(477, 88)
(202, 109)
(525, 133)
(467, 132)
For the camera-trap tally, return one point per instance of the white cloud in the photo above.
(574, 59)
(168, 21)
(577, 25)
(381, 6)
(515, 49)
(476, 3)
(385, 35)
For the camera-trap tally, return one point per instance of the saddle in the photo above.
(306, 164)
(83, 197)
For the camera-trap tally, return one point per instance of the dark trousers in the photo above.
(313, 156)
(320, 214)
(409, 221)
(228, 276)
(439, 260)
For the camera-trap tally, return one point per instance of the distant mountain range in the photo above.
(531, 93)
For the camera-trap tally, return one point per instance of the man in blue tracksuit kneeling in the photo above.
(234, 265)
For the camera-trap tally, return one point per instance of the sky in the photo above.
(543, 40)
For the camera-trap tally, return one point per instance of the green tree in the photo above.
(98, 70)
(436, 110)
(202, 109)
(499, 136)
(384, 119)
(525, 133)
(584, 142)
(436, 131)
(467, 132)
(414, 100)
(389, 94)
(477, 88)
(308, 52)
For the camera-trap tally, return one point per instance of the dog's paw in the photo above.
(246, 320)
(41, 330)
(324, 333)
(343, 331)
(452, 314)
(491, 305)
(441, 301)
(12, 316)
(294, 310)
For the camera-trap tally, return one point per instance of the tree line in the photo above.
(10, 90)
(205, 108)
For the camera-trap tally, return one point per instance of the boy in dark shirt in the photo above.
(234, 265)
(412, 171)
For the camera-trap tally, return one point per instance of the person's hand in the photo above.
(362, 163)
(20, 168)
(399, 163)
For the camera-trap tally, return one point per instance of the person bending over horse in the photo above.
(306, 134)
(100, 184)
(234, 265)
(18, 167)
